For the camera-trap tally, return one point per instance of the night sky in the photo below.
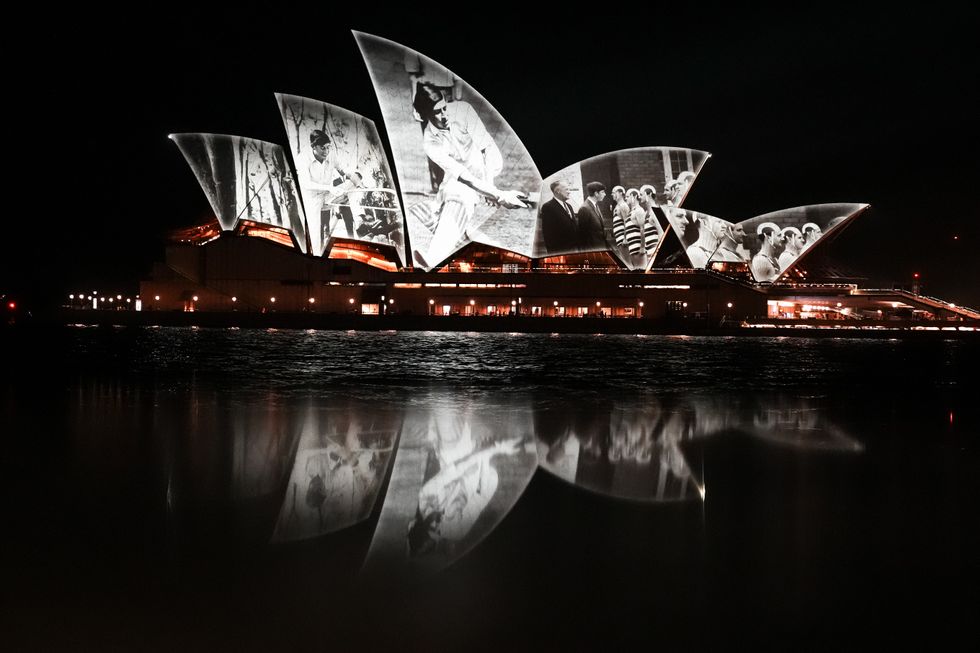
(796, 108)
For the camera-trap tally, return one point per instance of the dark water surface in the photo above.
(699, 492)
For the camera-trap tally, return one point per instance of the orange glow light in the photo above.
(368, 258)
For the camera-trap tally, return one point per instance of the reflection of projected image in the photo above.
(343, 174)
(464, 480)
(633, 448)
(625, 450)
(455, 477)
(335, 479)
(797, 423)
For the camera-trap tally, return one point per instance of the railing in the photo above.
(935, 302)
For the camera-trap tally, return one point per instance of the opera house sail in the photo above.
(469, 200)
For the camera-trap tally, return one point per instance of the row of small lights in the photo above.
(351, 300)
(82, 296)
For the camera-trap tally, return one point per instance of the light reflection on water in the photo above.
(695, 484)
(302, 465)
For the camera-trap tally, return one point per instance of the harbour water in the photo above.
(181, 488)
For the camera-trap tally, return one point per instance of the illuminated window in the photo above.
(447, 310)
(536, 311)
(491, 309)
(370, 309)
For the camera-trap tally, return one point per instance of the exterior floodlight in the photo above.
(351, 300)
(194, 298)
(272, 299)
(156, 297)
(234, 299)
(311, 300)
(729, 304)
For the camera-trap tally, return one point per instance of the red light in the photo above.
(12, 305)
(915, 276)
(950, 417)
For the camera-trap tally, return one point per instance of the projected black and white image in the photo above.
(777, 240)
(707, 238)
(343, 174)
(340, 462)
(245, 180)
(615, 202)
(461, 466)
(464, 174)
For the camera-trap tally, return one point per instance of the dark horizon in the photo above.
(795, 109)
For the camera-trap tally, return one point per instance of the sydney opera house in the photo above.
(467, 226)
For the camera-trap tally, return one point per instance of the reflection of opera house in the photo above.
(474, 230)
